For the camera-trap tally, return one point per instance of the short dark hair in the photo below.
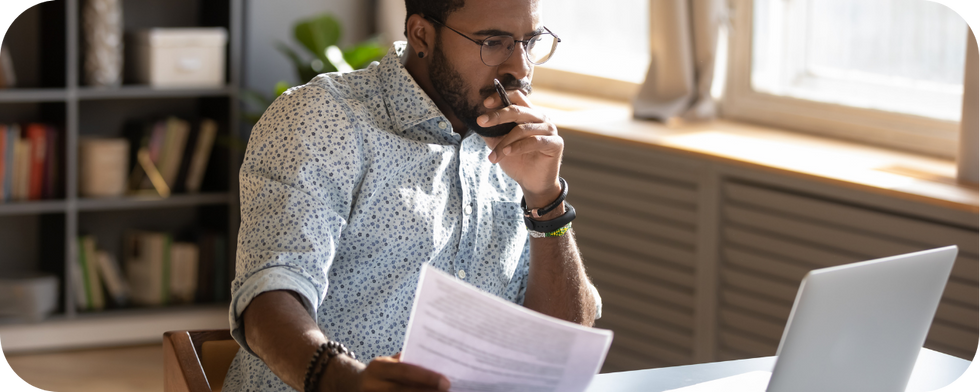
(436, 9)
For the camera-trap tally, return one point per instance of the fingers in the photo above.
(388, 374)
(526, 138)
(519, 112)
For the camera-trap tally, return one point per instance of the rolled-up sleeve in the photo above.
(295, 201)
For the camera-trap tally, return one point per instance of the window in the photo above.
(888, 72)
(607, 43)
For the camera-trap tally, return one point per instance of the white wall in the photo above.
(271, 21)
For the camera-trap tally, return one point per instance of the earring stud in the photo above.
(421, 54)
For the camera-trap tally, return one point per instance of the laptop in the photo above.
(855, 327)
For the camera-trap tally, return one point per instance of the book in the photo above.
(183, 272)
(51, 165)
(22, 169)
(78, 282)
(89, 267)
(37, 135)
(198, 162)
(112, 277)
(173, 150)
(10, 156)
(147, 262)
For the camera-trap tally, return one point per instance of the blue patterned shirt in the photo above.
(349, 184)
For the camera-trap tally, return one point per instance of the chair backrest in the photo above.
(196, 361)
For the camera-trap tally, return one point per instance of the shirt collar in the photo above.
(407, 103)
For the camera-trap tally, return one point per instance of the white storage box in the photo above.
(31, 296)
(178, 57)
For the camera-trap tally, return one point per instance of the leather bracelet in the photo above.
(550, 225)
(538, 212)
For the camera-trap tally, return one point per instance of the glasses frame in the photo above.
(524, 43)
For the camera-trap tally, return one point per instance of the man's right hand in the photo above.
(382, 374)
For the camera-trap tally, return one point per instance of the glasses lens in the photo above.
(540, 48)
(497, 49)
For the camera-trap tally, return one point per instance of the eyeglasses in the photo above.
(497, 49)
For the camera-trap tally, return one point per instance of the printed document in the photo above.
(482, 343)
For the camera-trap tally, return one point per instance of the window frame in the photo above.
(741, 102)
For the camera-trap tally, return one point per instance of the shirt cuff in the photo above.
(269, 279)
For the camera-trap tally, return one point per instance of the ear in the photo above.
(421, 34)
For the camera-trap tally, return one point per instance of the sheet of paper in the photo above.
(756, 381)
(485, 344)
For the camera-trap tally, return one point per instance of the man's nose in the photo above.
(517, 64)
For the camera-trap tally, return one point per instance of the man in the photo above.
(353, 181)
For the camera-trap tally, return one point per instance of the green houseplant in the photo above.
(319, 36)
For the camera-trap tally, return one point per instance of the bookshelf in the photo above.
(47, 49)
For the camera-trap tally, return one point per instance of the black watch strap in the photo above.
(550, 225)
(539, 212)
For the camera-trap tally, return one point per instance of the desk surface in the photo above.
(933, 370)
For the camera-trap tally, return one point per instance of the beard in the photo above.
(450, 86)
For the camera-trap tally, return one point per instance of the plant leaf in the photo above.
(362, 54)
(318, 33)
(281, 87)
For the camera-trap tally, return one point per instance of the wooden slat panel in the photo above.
(789, 271)
(954, 351)
(771, 238)
(590, 234)
(595, 201)
(683, 319)
(624, 158)
(622, 359)
(779, 290)
(638, 225)
(816, 257)
(920, 231)
(776, 309)
(600, 257)
(663, 353)
(768, 330)
(644, 287)
(754, 347)
(966, 268)
(636, 187)
(820, 235)
(625, 321)
(952, 336)
(961, 292)
(958, 315)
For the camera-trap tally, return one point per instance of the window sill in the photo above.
(874, 169)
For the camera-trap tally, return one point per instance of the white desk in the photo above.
(933, 370)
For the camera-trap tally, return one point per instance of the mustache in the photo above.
(510, 83)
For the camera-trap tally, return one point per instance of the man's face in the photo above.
(457, 72)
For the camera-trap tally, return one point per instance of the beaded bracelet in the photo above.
(557, 233)
(332, 349)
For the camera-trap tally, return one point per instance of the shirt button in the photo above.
(461, 274)
(467, 210)
(442, 125)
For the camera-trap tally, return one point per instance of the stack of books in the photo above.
(178, 149)
(29, 158)
(156, 271)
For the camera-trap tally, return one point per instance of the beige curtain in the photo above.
(683, 39)
(391, 20)
(967, 158)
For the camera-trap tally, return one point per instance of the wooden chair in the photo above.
(196, 361)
